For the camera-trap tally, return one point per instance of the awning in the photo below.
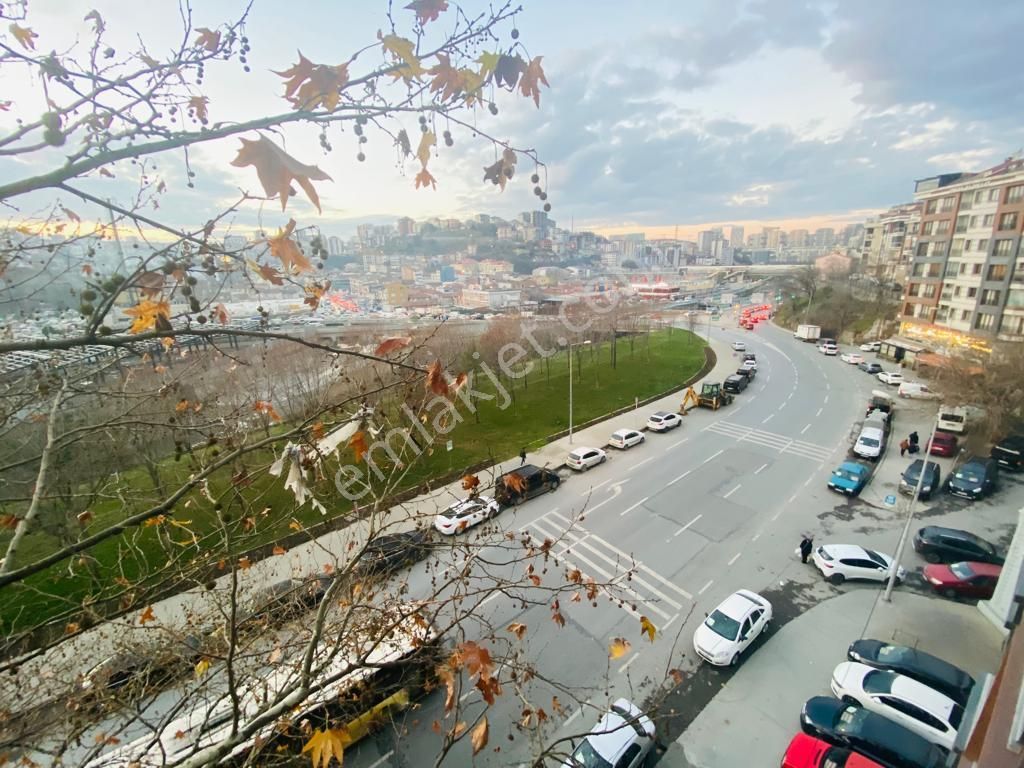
(907, 344)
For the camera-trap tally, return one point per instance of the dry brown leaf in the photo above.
(517, 629)
(208, 39)
(427, 140)
(295, 525)
(310, 85)
(265, 408)
(150, 284)
(424, 179)
(388, 346)
(106, 173)
(277, 169)
(147, 616)
(358, 445)
(427, 10)
(9, 521)
(198, 105)
(72, 627)
(437, 382)
(532, 78)
(220, 314)
(556, 614)
(459, 729)
(149, 314)
(202, 667)
(436, 727)
(647, 628)
(677, 676)
(278, 550)
(84, 517)
(478, 737)
(470, 482)
(575, 576)
(24, 35)
(287, 250)
(618, 648)
(244, 563)
(324, 745)
(556, 705)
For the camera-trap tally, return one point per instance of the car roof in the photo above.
(918, 693)
(938, 530)
(613, 732)
(853, 466)
(661, 414)
(740, 603)
(624, 432)
(845, 550)
(985, 569)
(466, 504)
(524, 471)
(582, 450)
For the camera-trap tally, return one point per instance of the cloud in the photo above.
(930, 135)
(754, 196)
(967, 160)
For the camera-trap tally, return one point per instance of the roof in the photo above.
(738, 605)
(845, 550)
(905, 343)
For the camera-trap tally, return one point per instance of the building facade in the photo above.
(890, 240)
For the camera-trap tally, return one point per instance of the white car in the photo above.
(582, 459)
(730, 629)
(829, 349)
(890, 377)
(622, 738)
(662, 421)
(913, 705)
(465, 514)
(626, 438)
(852, 358)
(839, 562)
(739, 346)
(871, 346)
(918, 390)
(749, 365)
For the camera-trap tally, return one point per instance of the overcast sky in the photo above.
(660, 114)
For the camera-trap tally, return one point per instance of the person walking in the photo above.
(904, 445)
(805, 548)
(522, 457)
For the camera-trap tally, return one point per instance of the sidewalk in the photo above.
(51, 674)
(757, 712)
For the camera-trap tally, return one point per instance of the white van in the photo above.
(952, 419)
(917, 390)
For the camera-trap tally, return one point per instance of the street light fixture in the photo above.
(577, 344)
(910, 515)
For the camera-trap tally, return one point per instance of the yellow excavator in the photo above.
(711, 396)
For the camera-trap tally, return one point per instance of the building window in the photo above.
(952, 268)
(948, 203)
(1015, 194)
(922, 249)
(928, 291)
(942, 227)
(1003, 247)
(975, 269)
(989, 220)
(931, 206)
(993, 195)
(927, 227)
(961, 223)
(958, 292)
(996, 272)
(983, 246)
(972, 292)
(990, 298)
(967, 245)
(1008, 221)
(938, 248)
(965, 314)
(985, 322)
(1012, 324)
(1015, 299)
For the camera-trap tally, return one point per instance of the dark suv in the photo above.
(1009, 452)
(524, 483)
(950, 545)
(974, 479)
(735, 383)
(747, 373)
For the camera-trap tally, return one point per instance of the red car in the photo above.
(808, 752)
(963, 579)
(944, 444)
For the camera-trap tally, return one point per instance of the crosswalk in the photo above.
(772, 440)
(605, 563)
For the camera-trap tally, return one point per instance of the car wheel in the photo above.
(932, 557)
(735, 659)
(850, 700)
(604, 459)
(552, 486)
(836, 578)
(950, 593)
(585, 467)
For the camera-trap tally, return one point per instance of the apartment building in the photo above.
(966, 281)
(890, 240)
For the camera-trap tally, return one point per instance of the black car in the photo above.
(747, 373)
(951, 545)
(281, 600)
(386, 554)
(735, 383)
(974, 479)
(912, 475)
(524, 483)
(877, 737)
(918, 665)
(1009, 452)
(138, 669)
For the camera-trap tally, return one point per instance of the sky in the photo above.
(661, 117)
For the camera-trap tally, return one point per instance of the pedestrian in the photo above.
(522, 457)
(904, 445)
(805, 548)
(914, 439)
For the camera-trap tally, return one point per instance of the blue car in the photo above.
(850, 477)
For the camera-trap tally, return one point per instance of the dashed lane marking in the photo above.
(756, 536)
(713, 456)
(705, 587)
(768, 418)
(670, 622)
(625, 512)
(819, 412)
(730, 493)
(595, 487)
(698, 517)
(631, 659)
(805, 429)
(676, 480)
(649, 458)
(383, 759)
(676, 443)
(735, 558)
(761, 469)
(576, 714)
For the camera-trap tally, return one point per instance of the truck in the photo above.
(809, 333)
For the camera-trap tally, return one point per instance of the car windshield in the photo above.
(844, 474)
(962, 570)
(869, 441)
(893, 654)
(722, 625)
(876, 557)
(585, 756)
(877, 681)
(969, 475)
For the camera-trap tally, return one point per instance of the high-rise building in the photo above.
(706, 242)
(889, 241)
(797, 238)
(405, 226)
(966, 282)
(772, 237)
(825, 237)
(736, 237)
(334, 246)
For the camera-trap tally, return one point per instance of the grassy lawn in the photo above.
(257, 510)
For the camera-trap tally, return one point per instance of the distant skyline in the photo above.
(713, 112)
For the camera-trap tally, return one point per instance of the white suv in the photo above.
(839, 562)
(622, 738)
(583, 459)
(662, 421)
(890, 377)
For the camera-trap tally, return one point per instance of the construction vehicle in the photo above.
(689, 398)
(711, 396)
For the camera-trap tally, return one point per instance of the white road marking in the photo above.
(735, 558)
(627, 511)
(383, 759)
(549, 512)
(713, 456)
(792, 498)
(730, 493)
(768, 418)
(767, 379)
(698, 517)
(577, 713)
(784, 405)
(632, 658)
(760, 469)
(776, 515)
(670, 622)
(676, 480)
(805, 429)
(616, 491)
(756, 536)
(488, 599)
(678, 442)
(649, 458)
(808, 480)
(790, 397)
(819, 412)
(705, 587)
(595, 487)
(826, 400)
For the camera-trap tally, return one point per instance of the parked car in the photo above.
(391, 552)
(916, 390)
(974, 479)
(872, 368)
(524, 483)
(626, 438)
(839, 562)
(829, 349)
(808, 752)
(877, 737)
(912, 475)
(730, 629)
(735, 383)
(1009, 452)
(975, 580)
(910, 662)
(952, 419)
(871, 440)
(750, 356)
(890, 377)
(582, 459)
(139, 668)
(951, 545)
(747, 373)
(739, 346)
(749, 365)
(850, 477)
(622, 738)
(853, 358)
(944, 444)
(881, 401)
(918, 708)
(466, 513)
(662, 421)
(282, 599)
(871, 346)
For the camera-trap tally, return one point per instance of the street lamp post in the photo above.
(910, 515)
(577, 344)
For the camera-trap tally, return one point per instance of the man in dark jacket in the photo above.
(805, 548)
